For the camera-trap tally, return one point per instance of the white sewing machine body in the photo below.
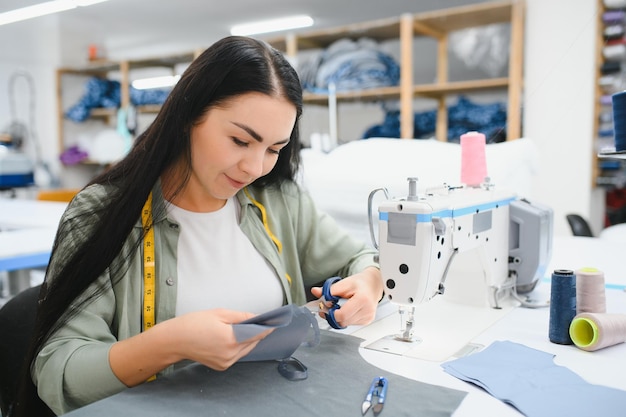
(421, 235)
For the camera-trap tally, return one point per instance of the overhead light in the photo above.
(43, 9)
(273, 25)
(156, 82)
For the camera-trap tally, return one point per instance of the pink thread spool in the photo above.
(594, 331)
(473, 160)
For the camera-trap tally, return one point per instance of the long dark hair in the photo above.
(231, 67)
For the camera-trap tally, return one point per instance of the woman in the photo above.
(206, 201)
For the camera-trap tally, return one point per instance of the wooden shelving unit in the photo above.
(120, 71)
(406, 28)
(437, 25)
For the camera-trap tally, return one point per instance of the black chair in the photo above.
(579, 225)
(17, 319)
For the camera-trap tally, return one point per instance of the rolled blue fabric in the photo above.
(562, 306)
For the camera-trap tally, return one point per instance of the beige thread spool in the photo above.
(590, 292)
(594, 331)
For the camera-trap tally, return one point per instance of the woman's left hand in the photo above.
(363, 291)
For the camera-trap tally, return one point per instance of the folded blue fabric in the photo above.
(350, 65)
(464, 116)
(106, 93)
(530, 381)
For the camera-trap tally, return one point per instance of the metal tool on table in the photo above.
(328, 303)
(378, 390)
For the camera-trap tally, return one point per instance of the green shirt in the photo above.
(303, 246)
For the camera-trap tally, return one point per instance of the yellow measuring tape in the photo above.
(149, 269)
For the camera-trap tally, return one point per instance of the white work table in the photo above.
(530, 327)
(28, 227)
(27, 230)
(524, 326)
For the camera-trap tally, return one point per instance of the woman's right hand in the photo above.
(204, 336)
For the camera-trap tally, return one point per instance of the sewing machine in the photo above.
(491, 243)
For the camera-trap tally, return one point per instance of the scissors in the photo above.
(378, 388)
(329, 303)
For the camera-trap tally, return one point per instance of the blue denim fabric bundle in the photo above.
(350, 65)
(151, 96)
(463, 117)
(103, 93)
(98, 93)
(466, 116)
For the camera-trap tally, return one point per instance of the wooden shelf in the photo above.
(437, 25)
(435, 91)
(169, 61)
(149, 108)
(425, 24)
(95, 68)
(379, 30)
(450, 20)
(102, 112)
(372, 94)
(120, 70)
(460, 87)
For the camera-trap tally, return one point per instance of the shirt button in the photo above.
(169, 281)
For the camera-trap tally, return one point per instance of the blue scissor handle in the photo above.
(326, 289)
(330, 315)
(382, 382)
(377, 388)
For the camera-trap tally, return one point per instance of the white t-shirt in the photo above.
(218, 267)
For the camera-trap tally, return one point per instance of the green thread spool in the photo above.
(584, 333)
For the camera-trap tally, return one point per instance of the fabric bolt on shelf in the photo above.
(613, 31)
(614, 52)
(611, 67)
(614, 4)
(529, 380)
(338, 380)
(613, 16)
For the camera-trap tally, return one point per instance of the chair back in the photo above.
(579, 225)
(17, 320)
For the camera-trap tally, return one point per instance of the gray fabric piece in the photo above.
(292, 326)
(337, 384)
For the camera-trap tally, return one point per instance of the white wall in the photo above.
(30, 50)
(559, 70)
(558, 100)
